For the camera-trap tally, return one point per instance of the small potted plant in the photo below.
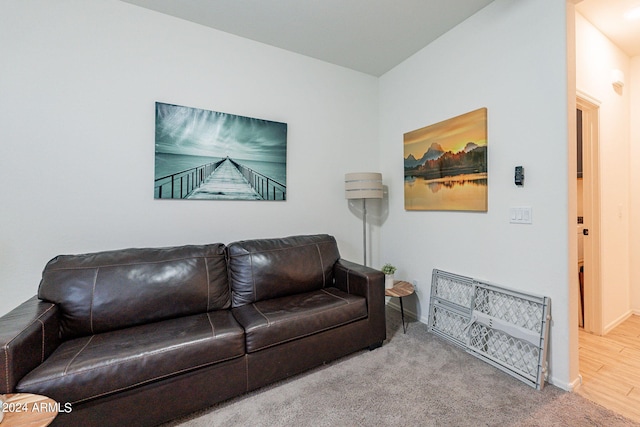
(388, 271)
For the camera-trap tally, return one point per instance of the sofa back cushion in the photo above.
(105, 291)
(271, 268)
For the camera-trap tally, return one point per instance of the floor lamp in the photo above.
(363, 185)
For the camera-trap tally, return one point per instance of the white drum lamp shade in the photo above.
(363, 185)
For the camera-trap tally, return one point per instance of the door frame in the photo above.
(592, 217)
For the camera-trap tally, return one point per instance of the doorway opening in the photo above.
(588, 221)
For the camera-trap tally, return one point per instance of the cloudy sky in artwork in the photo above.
(196, 132)
(452, 134)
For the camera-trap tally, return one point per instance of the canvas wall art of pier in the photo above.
(209, 155)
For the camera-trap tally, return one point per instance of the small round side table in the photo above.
(400, 289)
(25, 409)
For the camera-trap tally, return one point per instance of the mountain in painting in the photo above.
(470, 146)
(436, 163)
(433, 153)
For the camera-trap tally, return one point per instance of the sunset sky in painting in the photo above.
(452, 134)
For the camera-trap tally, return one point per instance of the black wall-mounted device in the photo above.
(519, 178)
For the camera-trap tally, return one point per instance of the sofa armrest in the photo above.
(357, 279)
(28, 335)
(369, 283)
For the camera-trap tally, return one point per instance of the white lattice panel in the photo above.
(506, 328)
(449, 323)
(452, 289)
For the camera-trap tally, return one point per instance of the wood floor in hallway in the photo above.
(610, 368)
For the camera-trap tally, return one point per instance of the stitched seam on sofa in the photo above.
(42, 345)
(262, 314)
(193, 368)
(324, 279)
(206, 269)
(6, 346)
(37, 319)
(213, 329)
(297, 317)
(246, 369)
(164, 350)
(336, 296)
(66, 368)
(309, 334)
(124, 264)
(253, 279)
(93, 294)
(261, 251)
(6, 366)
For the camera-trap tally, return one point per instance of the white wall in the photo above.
(596, 57)
(634, 167)
(511, 58)
(78, 83)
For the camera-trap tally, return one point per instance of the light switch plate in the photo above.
(520, 215)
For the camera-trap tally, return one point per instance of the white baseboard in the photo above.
(408, 314)
(608, 328)
(567, 386)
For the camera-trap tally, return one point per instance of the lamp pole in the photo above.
(363, 185)
(364, 230)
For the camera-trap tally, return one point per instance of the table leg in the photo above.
(402, 314)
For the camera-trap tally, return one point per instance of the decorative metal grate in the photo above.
(519, 355)
(513, 309)
(453, 289)
(449, 323)
(503, 327)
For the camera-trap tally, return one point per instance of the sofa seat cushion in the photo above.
(84, 368)
(274, 321)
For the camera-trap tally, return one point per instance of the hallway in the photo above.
(610, 368)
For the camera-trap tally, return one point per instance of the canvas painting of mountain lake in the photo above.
(208, 155)
(445, 165)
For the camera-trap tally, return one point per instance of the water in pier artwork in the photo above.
(203, 154)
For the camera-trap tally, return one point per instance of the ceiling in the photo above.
(608, 17)
(371, 36)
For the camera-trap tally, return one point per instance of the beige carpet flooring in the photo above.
(414, 379)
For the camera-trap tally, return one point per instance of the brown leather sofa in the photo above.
(142, 336)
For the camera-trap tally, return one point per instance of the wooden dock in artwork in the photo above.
(225, 179)
(226, 182)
